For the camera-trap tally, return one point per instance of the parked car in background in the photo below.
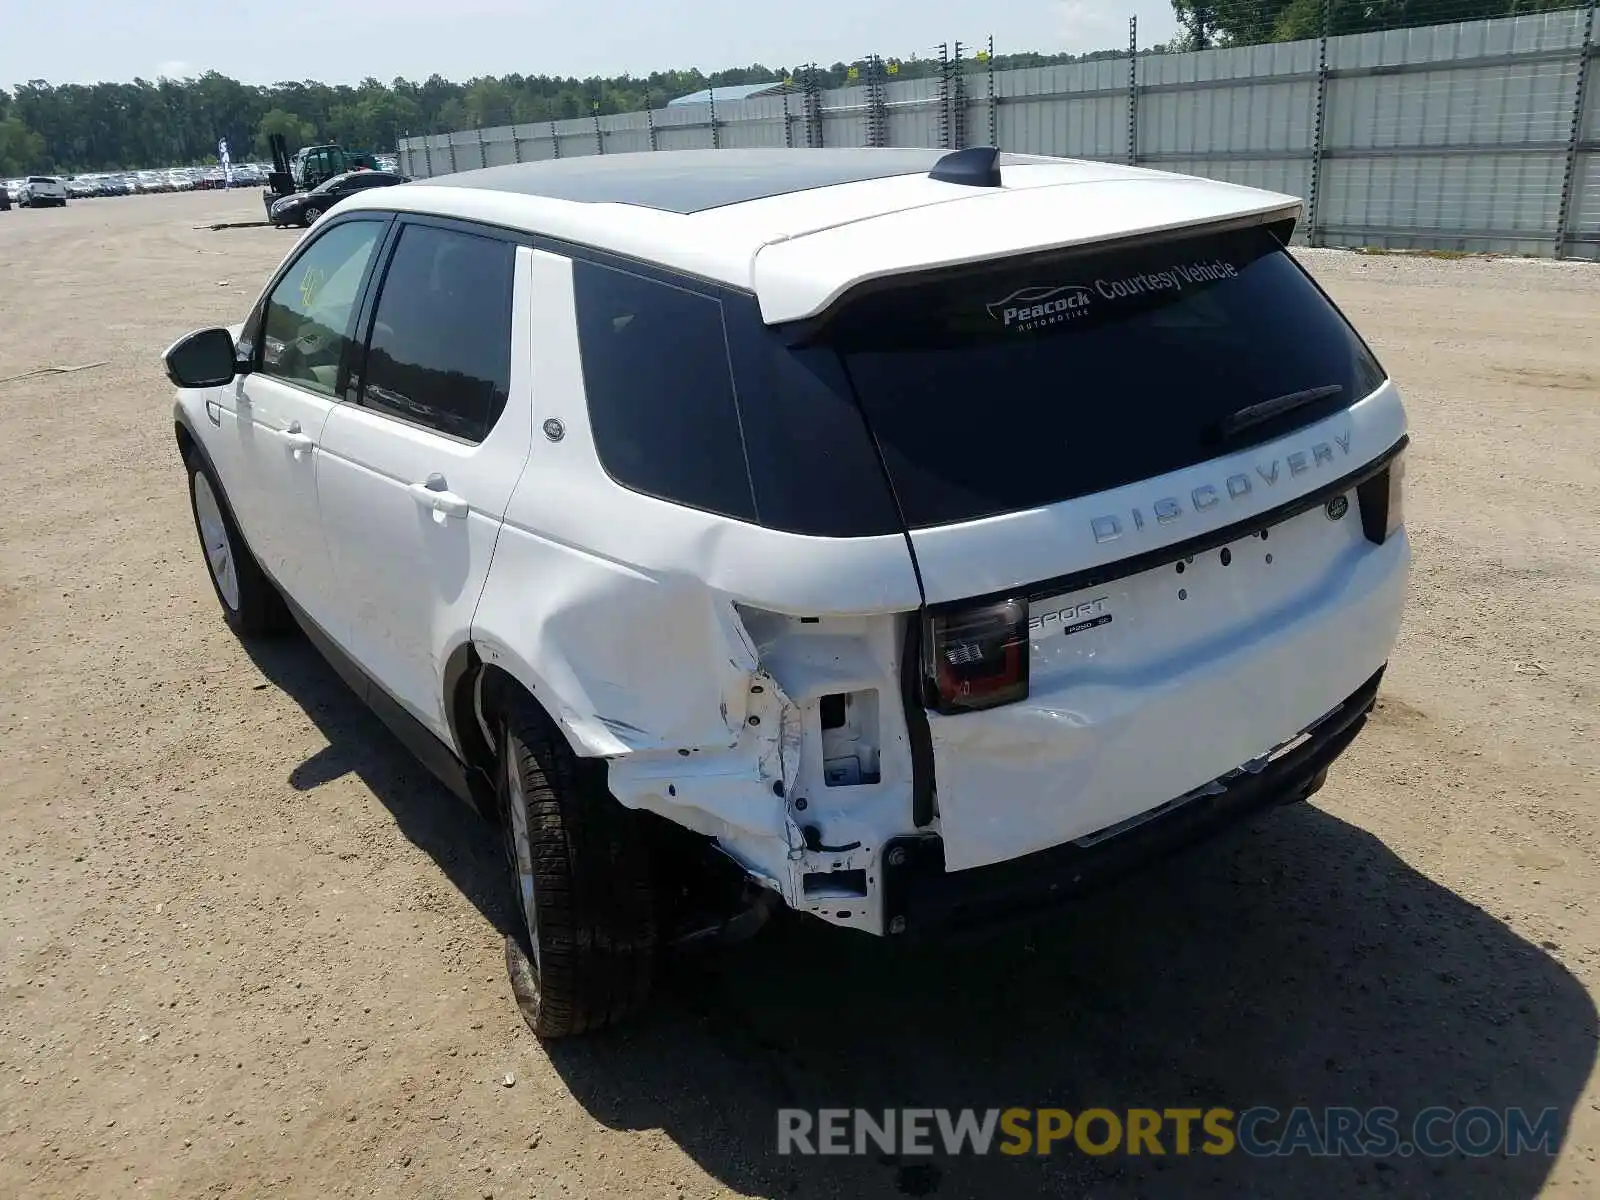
(302, 208)
(180, 179)
(153, 181)
(5, 197)
(81, 188)
(43, 191)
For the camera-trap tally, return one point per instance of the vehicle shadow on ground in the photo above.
(1294, 962)
(467, 850)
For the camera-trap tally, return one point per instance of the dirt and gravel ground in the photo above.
(250, 949)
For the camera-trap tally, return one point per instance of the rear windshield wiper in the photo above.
(1231, 426)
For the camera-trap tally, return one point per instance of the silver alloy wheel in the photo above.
(522, 848)
(215, 541)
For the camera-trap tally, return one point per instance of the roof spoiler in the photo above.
(789, 295)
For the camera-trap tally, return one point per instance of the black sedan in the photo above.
(302, 208)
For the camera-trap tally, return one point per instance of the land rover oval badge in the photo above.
(554, 430)
(1337, 507)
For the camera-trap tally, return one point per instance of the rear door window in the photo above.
(439, 354)
(1002, 390)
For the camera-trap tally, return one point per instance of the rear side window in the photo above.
(440, 349)
(998, 391)
(660, 391)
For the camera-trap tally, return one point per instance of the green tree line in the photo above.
(106, 126)
(1207, 23)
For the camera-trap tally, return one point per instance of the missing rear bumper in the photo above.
(922, 898)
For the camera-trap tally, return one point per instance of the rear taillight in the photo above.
(1382, 501)
(976, 657)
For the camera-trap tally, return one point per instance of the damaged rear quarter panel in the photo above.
(620, 613)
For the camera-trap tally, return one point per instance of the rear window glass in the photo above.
(998, 391)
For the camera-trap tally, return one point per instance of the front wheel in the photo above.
(309, 214)
(581, 880)
(250, 604)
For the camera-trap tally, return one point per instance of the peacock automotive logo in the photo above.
(1035, 307)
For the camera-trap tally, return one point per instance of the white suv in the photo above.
(911, 540)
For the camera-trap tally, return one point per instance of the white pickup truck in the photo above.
(42, 191)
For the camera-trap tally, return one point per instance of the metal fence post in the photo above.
(1133, 91)
(650, 118)
(450, 141)
(944, 96)
(877, 103)
(788, 121)
(716, 137)
(1314, 190)
(958, 100)
(1580, 98)
(483, 153)
(994, 113)
(813, 99)
(516, 145)
(427, 152)
(599, 137)
(555, 141)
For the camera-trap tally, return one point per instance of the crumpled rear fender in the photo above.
(707, 709)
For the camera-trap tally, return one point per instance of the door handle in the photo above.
(432, 494)
(299, 443)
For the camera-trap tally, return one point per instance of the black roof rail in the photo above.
(976, 166)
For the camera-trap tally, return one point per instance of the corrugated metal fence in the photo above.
(1479, 136)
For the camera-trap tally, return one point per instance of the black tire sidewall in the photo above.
(597, 936)
(259, 611)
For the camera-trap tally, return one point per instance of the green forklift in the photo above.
(309, 166)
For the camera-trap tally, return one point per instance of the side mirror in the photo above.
(202, 359)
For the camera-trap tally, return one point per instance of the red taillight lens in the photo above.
(976, 657)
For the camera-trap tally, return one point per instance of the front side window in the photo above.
(440, 351)
(307, 325)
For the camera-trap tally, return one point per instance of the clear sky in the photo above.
(341, 41)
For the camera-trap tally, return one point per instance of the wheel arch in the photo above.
(478, 677)
(192, 448)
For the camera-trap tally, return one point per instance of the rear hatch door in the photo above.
(1153, 449)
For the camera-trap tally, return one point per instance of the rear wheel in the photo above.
(580, 873)
(250, 604)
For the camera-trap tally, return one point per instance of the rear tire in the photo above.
(581, 883)
(250, 603)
